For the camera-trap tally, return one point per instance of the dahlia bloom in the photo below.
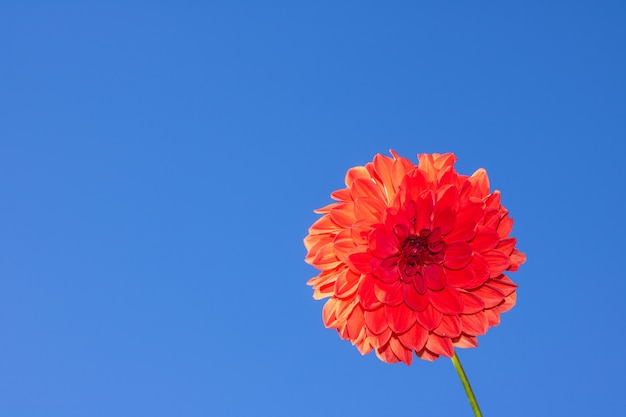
(412, 258)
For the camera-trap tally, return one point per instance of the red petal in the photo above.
(465, 341)
(413, 299)
(448, 300)
(440, 345)
(493, 317)
(480, 183)
(485, 239)
(427, 355)
(505, 226)
(458, 255)
(414, 338)
(378, 340)
(503, 284)
(425, 206)
(384, 243)
(405, 355)
(400, 318)
(507, 245)
(361, 261)
(471, 303)
(434, 276)
(481, 270)
(498, 262)
(419, 284)
(389, 293)
(450, 327)
(429, 318)
(474, 324)
(375, 321)
(366, 294)
(445, 219)
(517, 258)
(490, 296)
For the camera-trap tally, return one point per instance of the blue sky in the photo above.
(159, 164)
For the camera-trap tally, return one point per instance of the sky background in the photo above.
(160, 161)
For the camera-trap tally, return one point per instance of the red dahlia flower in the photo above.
(412, 258)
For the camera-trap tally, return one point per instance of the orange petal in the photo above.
(346, 284)
(343, 215)
(385, 354)
(355, 322)
(465, 341)
(405, 355)
(375, 320)
(356, 173)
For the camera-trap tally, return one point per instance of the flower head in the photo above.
(413, 258)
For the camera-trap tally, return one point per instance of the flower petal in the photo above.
(405, 355)
(449, 327)
(385, 354)
(490, 296)
(485, 239)
(366, 294)
(430, 318)
(440, 345)
(465, 341)
(346, 284)
(434, 277)
(355, 322)
(413, 299)
(375, 320)
(458, 255)
(415, 338)
(447, 300)
(400, 318)
(390, 294)
(361, 261)
(498, 262)
(471, 303)
(474, 324)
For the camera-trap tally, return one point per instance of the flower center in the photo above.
(419, 250)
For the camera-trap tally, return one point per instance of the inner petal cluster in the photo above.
(417, 251)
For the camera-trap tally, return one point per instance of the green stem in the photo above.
(466, 385)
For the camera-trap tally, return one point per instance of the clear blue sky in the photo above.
(159, 164)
